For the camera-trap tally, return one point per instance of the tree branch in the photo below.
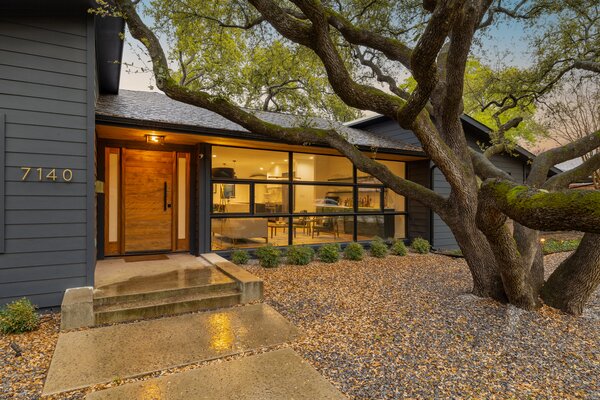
(296, 135)
(546, 160)
(584, 170)
(542, 210)
(484, 168)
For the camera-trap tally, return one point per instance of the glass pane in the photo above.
(231, 198)
(392, 201)
(383, 226)
(271, 198)
(239, 163)
(397, 167)
(322, 199)
(311, 229)
(229, 233)
(316, 167)
(369, 199)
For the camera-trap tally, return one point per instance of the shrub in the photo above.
(269, 256)
(240, 257)
(420, 245)
(300, 255)
(329, 252)
(18, 317)
(378, 248)
(398, 248)
(354, 252)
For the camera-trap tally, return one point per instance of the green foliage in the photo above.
(269, 256)
(556, 246)
(398, 248)
(18, 317)
(300, 255)
(253, 67)
(420, 245)
(354, 252)
(240, 257)
(329, 252)
(379, 248)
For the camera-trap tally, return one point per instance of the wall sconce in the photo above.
(155, 139)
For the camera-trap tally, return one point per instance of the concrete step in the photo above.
(165, 306)
(164, 294)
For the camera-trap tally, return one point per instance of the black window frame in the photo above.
(291, 183)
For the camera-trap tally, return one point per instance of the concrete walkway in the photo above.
(276, 375)
(100, 355)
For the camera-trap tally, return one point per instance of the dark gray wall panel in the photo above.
(9, 275)
(48, 133)
(44, 216)
(2, 183)
(41, 91)
(419, 217)
(34, 231)
(45, 72)
(30, 61)
(28, 288)
(392, 130)
(34, 259)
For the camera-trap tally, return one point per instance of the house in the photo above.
(88, 171)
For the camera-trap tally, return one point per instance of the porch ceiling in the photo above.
(138, 134)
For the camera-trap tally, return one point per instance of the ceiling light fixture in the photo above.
(155, 139)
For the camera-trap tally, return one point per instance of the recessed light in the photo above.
(214, 155)
(285, 160)
(311, 158)
(261, 168)
(272, 162)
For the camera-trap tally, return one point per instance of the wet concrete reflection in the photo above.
(144, 277)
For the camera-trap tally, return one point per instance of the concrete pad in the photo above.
(116, 277)
(100, 355)
(250, 285)
(77, 308)
(280, 374)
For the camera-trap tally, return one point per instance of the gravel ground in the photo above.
(393, 328)
(23, 377)
(405, 327)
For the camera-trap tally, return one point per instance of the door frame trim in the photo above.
(191, 195)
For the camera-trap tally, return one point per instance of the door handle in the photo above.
(165, 197)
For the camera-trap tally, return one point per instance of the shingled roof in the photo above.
(147, 108)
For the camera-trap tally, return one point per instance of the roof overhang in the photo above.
(109, 53)
(480, 130)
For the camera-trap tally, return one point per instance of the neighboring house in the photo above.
(88, 171)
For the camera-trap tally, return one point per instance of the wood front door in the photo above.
(148, 178)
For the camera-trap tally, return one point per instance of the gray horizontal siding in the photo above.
(392, 130)
(43, 93)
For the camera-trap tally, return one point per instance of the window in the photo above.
(254, 201)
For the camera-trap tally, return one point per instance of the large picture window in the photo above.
(283, 198)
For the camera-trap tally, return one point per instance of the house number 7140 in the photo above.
(47, 174)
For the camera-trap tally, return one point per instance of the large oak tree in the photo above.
(430, 40)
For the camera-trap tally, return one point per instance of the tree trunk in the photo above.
(487, 281)
(515, 274)
(575, 280)
(531, 254)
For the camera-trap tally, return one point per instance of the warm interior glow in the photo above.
(155, 139)
(113, 197)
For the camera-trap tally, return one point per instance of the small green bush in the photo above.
(269, 256)
(300, 255)
(398, 248)
(329, 252)
(378, 248)
(354, 251)
(240, 257)
(420, 245)
(18, 317)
